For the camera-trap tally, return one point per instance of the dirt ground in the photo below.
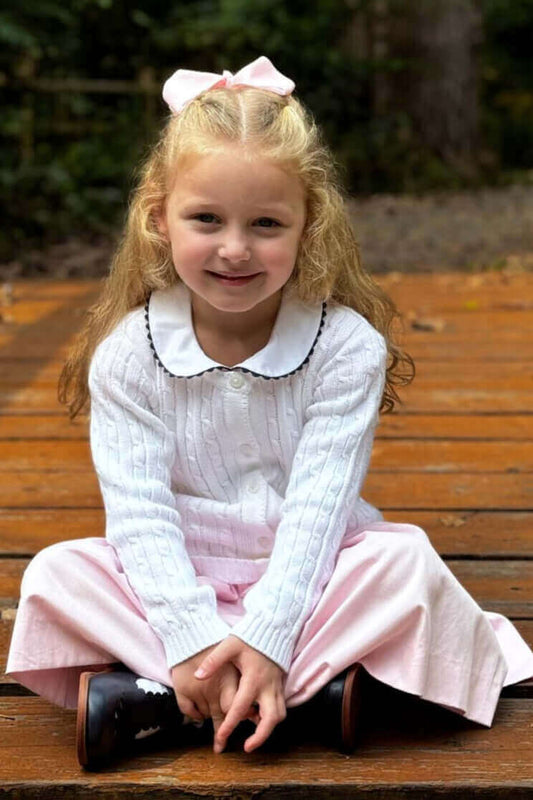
(485, 229)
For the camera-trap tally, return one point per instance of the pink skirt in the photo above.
(391, 605)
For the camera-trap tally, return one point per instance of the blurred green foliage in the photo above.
(73, 174)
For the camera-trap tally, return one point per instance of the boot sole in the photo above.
(351, 707)
(81, 721)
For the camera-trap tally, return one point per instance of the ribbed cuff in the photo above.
(183, 639)
(275, 641)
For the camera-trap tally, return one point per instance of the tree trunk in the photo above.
(444, 82)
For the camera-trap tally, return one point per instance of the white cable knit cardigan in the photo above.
(249, 474)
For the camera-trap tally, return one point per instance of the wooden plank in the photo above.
(447, 290)
(45, 456)
(402, 425)
(411, 757)
(48, 426)
(35, 398)
(36, 290)
(56, 343)
(455, 290)
(482, 351)
(403, 455)
(55, 490)
(482, 534)
(473, 393)
(506, 586)
(524, 627)
(449, 491)
(515, 375)
(11, 570)
(405, 490)
(447, 397)
(502, 586)
(435, 455)
(26, 531)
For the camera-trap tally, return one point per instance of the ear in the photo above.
(160, 218)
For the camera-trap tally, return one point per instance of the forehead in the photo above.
(231, 172)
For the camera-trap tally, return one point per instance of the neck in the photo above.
(230, 338)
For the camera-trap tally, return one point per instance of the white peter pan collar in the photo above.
(176, 349)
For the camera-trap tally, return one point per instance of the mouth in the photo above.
(233, 280)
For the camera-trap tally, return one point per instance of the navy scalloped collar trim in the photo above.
(222, 367)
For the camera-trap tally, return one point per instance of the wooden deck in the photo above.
(457, 460)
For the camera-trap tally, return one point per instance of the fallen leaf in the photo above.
(452, 521)
(428, 324)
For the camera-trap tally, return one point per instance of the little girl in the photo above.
(237, 362)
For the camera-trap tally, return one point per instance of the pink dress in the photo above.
(391, 605)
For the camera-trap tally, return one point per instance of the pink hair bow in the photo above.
(186, 84)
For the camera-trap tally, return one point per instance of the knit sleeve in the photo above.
(133, 451)
(327, 474)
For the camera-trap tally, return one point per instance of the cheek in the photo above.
(282, 253)
(189, 249)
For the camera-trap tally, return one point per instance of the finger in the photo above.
(218, 718)
(228, 692)
(216, 658)
(188, 708)
(267, 723)
(238, 711)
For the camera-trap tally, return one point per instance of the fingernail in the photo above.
(200, 673)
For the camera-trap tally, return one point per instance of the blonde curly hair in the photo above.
(327, 266)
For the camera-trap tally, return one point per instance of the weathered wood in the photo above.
(455, 290)
(449, 491)
(434, 455)
(481, 534)
(17, 427)
(14, 372)
(437, 396)
(407, 491)
(502, 586)
(400, 425)
(486, 534)
(405, 753)
(429, 455)
(26, 531)
(456, 460)
(505, 586)
(403, 490)
(9, 686)
(56, 490)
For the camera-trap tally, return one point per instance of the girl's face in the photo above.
(234, 226)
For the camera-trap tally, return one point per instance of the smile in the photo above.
(234, 280)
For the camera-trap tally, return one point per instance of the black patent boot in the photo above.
(332, 716)
(117, 708)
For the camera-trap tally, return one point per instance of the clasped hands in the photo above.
(230, 682)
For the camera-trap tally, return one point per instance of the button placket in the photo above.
(237, 380)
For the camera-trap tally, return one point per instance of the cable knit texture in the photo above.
(233, 476)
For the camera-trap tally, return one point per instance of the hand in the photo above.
(208, 698)
(259, 696)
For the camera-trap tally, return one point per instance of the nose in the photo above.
(234, 247)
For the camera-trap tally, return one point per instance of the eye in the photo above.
(205, 217)
(267, 222)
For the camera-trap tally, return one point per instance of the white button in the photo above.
(253, 486)
(246, 449)
(236, 380)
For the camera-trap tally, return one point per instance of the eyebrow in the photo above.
(268, 208)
